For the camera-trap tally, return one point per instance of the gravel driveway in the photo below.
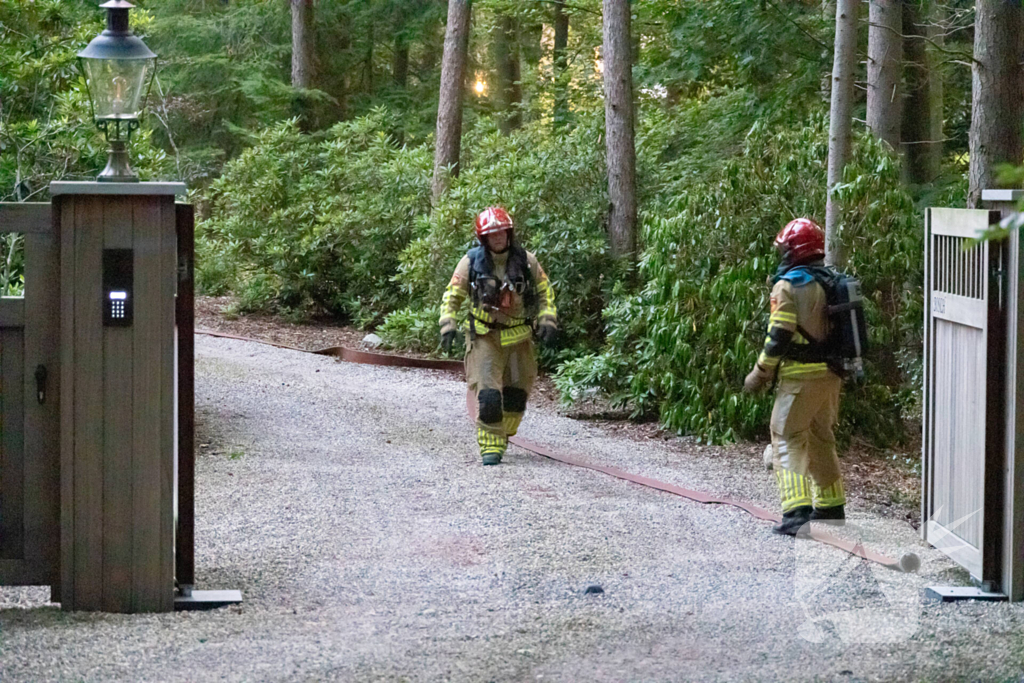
(348, 504)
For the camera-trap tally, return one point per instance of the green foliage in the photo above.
(46, 129)
(778, 49)
(318, 201)
(300, 222)
(12, 269)
(226, 72)
(680, 347)
(414, 329)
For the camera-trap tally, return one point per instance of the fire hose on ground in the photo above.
(909, 562)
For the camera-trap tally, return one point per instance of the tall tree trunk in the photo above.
(531, 49)
(368, 61)
(505, 48)
(996, 110)
(448, 140)
(844, 72)
(341, 42)
(936, 89)
(561, 63)
(885, 69)
(619, 133)
(400, 66)
(919, 146)
(302, 43)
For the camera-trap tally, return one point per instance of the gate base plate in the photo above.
(203, 600)
(958, 593)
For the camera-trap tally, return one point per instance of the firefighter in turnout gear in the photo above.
(510, 294)
(807, 395)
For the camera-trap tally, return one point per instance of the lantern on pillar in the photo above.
(118, 70)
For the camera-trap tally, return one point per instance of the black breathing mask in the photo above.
(488, 290)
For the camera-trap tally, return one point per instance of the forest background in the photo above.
(305, 131)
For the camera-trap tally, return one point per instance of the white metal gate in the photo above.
(962, 449)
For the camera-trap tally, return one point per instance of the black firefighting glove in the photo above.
(547, 334)
(447, 339)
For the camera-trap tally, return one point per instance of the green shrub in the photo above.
(680, 347)
(414, 329)
(317, 224)
(342, 223)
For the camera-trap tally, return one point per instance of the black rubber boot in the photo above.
(833, 516)
(793, 521)
(491, 459)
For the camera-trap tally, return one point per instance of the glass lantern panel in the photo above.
(117, 87)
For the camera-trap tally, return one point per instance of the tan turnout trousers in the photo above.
(806, 464)
(500, 379)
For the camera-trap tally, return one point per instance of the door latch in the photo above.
(41, 384)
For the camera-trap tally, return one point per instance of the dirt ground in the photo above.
(887, 484)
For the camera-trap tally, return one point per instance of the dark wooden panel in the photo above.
(65, 208)
(42, 420)
(12, 445)
(26, 217)
(19, 573)
(12, 311)
(185, 536)
(88, 467)
(117, 436)
(147, 391)
(995, 454)
(168, 397)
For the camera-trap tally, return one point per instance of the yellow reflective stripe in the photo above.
(451, 301)
(832, 496)
(516, 331)
(483, 316)
(782, 317)
(766, 361)
(547, 296)
(490, 443)
(793, 489)
(792, 370)
(511, 423)
(515, 335)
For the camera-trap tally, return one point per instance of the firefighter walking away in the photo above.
(510, 296)
(816, 335)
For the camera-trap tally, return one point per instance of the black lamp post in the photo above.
(119, 70)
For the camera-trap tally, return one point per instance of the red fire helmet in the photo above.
(492, 219)
(801, 240)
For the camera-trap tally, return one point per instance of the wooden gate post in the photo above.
(118, 394)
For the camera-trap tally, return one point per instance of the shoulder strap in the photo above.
(479, 264)
(521, 259)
